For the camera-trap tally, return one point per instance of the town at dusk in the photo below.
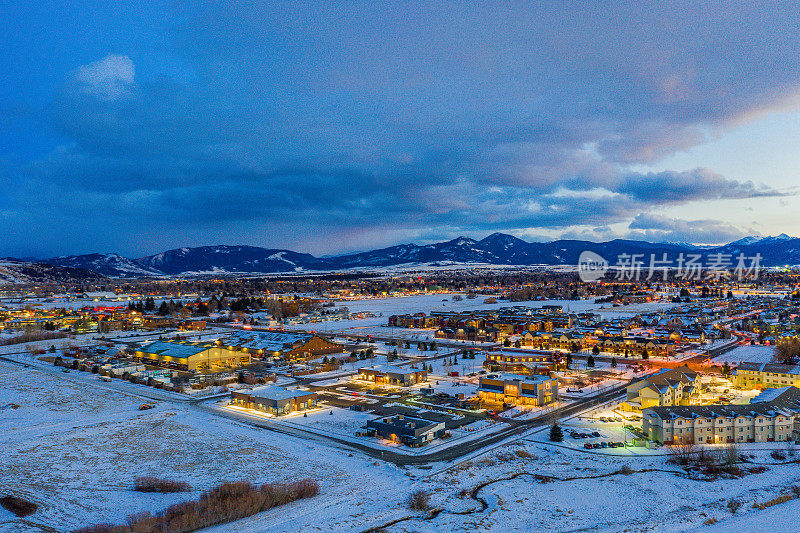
(385, 267)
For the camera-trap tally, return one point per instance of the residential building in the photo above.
(674, 386)
(756, 375)
(767, 418)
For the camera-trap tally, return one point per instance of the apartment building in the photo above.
(754, 375)
(769, 417)
(676, 386)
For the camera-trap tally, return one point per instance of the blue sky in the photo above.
(339, 126)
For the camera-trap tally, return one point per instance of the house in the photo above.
(772, 417)
(410, 431)
(392, 375)
(191, 356)
(674, 386)
(515, 389)
(274, 400)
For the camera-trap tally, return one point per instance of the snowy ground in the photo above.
(75, 446)
(747, 354)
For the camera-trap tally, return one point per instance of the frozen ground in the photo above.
(75, 448)
(747, 354)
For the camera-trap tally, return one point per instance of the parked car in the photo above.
(588, 445)
(595, 433)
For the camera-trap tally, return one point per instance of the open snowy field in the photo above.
(747, 354)
(75, 448)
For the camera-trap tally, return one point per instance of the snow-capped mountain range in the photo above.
(497, 249)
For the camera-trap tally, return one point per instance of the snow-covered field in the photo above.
(75, 447)
(747, 354)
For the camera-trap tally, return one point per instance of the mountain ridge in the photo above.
(497, 248)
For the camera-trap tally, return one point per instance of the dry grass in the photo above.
(153, 484)
(33, 337)
(226, 503)
(775, 501)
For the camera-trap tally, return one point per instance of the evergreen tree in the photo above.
(613, 362)
(590, 362)
(556, 434)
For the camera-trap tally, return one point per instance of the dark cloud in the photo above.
(359, 118)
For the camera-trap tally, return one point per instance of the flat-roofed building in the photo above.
(392, 375)
(516, 389)
(411, 431)
(284, 344)
(274, 400)
(191, 356)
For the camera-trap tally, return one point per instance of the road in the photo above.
(516, 427)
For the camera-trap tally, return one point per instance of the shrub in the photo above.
(626, 470)
(556, 434)
(522, 454)
(733, 505)
(18, 506)
(418, 501)
(226, 503)
(153, 484)
(778, 455)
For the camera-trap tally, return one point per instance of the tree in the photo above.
(517, 344)
(163, 309)
(645, 355)
(596, 350)
(787, 350)
(556, 434)
(507, 342)
(590, 362)
(613, 362)
(569, 360)
(574, 347)
(726, 369)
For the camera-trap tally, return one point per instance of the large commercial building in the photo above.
(392, 375)
(676, 386)
(515, 389)
(769, 417)
(274, 400)
(288, 345)
(191, 356)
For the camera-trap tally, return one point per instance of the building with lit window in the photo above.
(274, 400)
(392, 375)
(516, 389)
(771, 416)
(191, 356)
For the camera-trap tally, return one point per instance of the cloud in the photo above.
(435, 121)
(654, 227)
(109, 78)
